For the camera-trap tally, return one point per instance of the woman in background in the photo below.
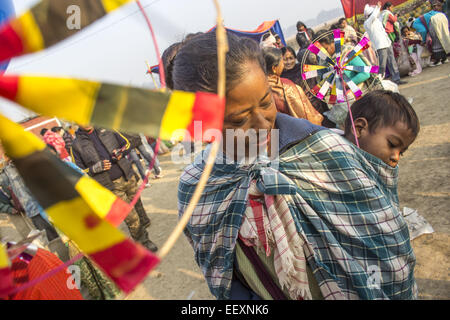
(289, 98)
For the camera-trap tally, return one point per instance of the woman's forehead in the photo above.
(250, 89)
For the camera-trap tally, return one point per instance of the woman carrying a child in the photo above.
(321, 221)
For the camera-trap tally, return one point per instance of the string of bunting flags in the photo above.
(78, 206)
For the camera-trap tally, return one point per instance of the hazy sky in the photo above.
(115, 48)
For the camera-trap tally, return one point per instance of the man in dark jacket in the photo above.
(100, 153)
(304, 35)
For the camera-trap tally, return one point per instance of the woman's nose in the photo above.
(260, 121)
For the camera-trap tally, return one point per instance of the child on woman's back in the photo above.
(386, 125)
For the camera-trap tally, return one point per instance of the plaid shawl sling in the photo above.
(344, 203)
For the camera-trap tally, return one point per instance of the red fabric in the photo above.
(205, 109)
(52, 288)
(354, 7)
(10, 43)
(6, 283)
(265, 26)
(127, 263)
(8, 85)
(54, 139)
(259, 221)
(118, 212)
(390, 23)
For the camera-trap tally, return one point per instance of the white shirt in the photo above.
(375, 30)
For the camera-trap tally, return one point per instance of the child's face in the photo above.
(387, 143)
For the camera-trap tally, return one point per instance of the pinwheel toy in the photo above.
(333, 84)
(331, 79)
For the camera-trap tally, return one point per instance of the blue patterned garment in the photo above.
(344, 203)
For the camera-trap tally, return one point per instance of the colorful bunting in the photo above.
(151, 112)
(48, 23)
(320, 51)
(78, 206)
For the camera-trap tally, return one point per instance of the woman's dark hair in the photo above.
(57, 129)
(288, 48)
(382, 108)
(168, 58)
(387, 5)
(341, 20)
(273, 57)
(43, 131)
(300, 24)
(195, 67)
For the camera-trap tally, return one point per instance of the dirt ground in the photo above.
(424, 185)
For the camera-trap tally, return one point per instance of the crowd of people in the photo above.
(423, 42)
(315, 226)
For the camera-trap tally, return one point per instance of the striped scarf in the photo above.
(343, 202)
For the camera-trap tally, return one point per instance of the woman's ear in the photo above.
(274, 69)
(362, 127)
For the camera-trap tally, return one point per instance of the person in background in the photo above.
(100, 154)
(293, 71)
(289, 98)
(412, 42)
(439, 33)
(139, 145)
(304, 35)
(67, 137)
(350, 33)
(304, 38)
(389, 21)
(52, 137)
(279, 44)
(381, 42)
(268, 41)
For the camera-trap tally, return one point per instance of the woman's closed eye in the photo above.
(238, 122)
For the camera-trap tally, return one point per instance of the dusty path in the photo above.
(424, 185)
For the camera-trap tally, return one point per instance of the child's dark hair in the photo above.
(273, 57)
(195, 67)
(341, 20)
(382, 108)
